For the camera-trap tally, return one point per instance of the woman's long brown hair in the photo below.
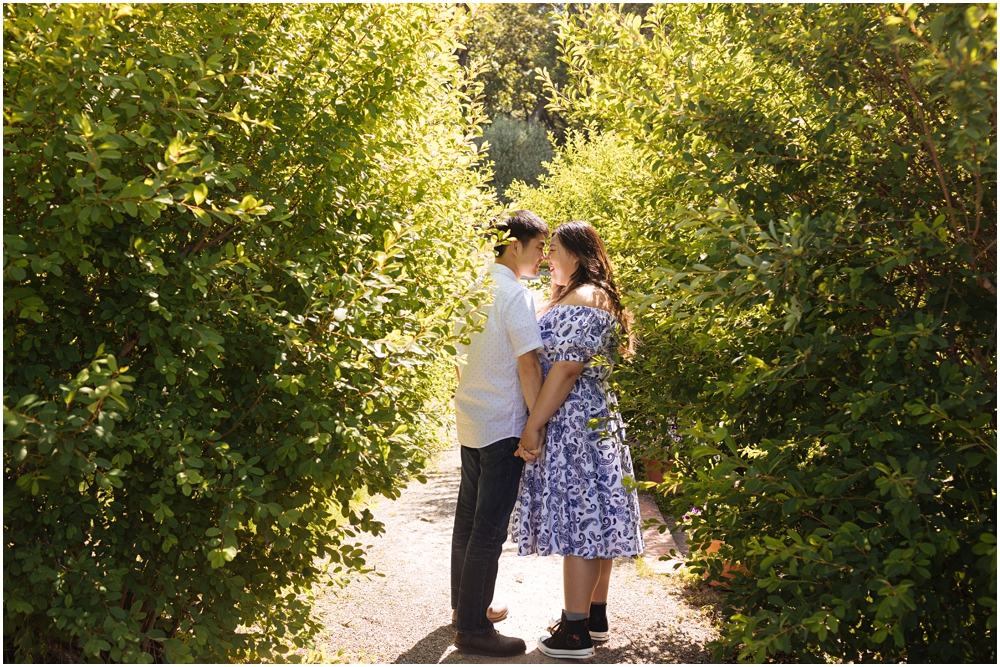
(581, 240)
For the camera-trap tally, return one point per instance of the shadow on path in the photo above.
(436, 500)
(430, 649)
(662, 643)
(403, 617)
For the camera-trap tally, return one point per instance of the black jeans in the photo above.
(491, 476)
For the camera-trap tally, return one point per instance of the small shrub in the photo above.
(518, 150)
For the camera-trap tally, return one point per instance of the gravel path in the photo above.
(405, 615)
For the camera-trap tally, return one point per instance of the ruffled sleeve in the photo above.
(582, 334)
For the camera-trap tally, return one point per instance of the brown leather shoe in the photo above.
(496, 613)
(491, 644)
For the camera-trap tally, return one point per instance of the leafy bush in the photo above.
(600, 177)
(517, 149)
(824, 205)
(591, 177)
(234, 241)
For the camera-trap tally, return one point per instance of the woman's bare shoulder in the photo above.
(591, 296)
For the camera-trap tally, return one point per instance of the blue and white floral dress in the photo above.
(572, 501)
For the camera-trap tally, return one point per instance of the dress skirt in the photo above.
(572, 500)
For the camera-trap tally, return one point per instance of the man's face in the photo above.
(531, 256)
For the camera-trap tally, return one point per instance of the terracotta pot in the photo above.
(655, 469)
(728, 568)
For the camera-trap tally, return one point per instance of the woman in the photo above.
(572, 501)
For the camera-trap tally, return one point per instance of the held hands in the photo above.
(530, 447)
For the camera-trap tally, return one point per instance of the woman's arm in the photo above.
(558, 384)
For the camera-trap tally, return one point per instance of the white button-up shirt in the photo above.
(489, 403)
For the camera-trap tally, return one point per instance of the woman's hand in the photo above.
(530, 447)
(562, 376)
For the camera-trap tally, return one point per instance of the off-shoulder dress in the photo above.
(572, 501)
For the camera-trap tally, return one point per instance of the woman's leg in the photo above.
(601, 591)
(580, 579)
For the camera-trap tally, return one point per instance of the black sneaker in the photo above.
(599, 631)
(569, 639)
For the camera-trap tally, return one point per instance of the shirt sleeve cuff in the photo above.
(524, 349)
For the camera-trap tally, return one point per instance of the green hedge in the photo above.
(234, 240)
(820, 237)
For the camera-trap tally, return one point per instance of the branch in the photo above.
(129, 344)
(203, 244)
(100, 281)
(923, 122)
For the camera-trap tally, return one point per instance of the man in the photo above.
(499, 384)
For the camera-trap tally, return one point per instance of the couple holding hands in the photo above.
(540, 438)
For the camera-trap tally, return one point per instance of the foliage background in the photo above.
(600, 177)
(234, 240)
(818, 308)
(506, 44)
(517, 151)
(236, 236)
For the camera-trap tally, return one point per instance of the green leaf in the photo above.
(200, 193)
(703, 451)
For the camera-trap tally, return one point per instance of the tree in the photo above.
(235, 237)
(601, 178)
(506, 46)
(820, 308)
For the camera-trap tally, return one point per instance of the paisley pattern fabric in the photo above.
(572, 500)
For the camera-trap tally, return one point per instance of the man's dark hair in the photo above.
(524, 226)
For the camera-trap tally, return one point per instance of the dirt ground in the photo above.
(405, 615)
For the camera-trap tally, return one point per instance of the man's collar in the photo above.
(499, 269)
